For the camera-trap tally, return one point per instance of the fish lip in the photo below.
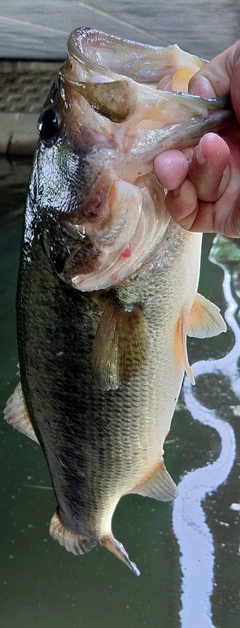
(87, 35)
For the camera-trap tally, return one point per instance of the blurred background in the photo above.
(188, 553)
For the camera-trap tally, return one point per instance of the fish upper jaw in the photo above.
(144, 63)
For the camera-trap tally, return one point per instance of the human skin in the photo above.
(204, 182)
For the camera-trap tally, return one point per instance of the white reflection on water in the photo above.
(189, 523)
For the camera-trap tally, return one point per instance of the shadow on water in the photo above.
(188, 554)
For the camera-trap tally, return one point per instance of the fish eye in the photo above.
(48, 126)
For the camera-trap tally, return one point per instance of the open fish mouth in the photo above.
(106, 70)
(113, 88)
(109, 55)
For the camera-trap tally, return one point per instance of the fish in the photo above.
(107, 289)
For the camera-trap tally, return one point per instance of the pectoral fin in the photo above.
(120, 346)
(202, 321)
(158, 485)
(16, 414)
(205, 319)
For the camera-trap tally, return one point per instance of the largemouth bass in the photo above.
(107, 290)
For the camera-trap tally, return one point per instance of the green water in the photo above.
(44, 586)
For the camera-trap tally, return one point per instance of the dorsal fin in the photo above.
(158, 485)
(120, 346)
(16, 414)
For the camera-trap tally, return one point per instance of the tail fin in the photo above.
(117, 548)
(75, 543)
(79, 544)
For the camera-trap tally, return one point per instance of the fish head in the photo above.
(74, 144)
(68, 134)
(104, 121)
(85, 196)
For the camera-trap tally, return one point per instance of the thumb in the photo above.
(235, 82)
(220, 76)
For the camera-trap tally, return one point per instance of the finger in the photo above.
(171, 168)
(188, 211)
(182, 204)
(201, 86)
(209, 169)
(214, 78)
(234, 89)
(194, 215)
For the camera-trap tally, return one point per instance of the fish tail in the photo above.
(75, 543)
(80, 543)
(117, 548)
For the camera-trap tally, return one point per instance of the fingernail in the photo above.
(200, 157)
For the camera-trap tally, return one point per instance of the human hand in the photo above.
(204, 183)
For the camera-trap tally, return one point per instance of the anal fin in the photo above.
(16, 414)
(158, 485)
